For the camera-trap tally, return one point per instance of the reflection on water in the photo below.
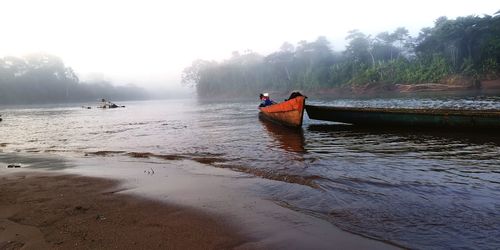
(417, 134)
(289, 139)
(420, 189)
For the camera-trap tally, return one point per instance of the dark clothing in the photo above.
(266, 102)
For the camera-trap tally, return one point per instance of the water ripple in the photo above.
(418, 189)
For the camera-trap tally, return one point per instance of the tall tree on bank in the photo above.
(465, 46)
(42, 78)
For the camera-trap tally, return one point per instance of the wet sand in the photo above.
(46, 211)
(134, 203)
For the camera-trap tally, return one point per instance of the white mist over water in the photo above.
(149, 42)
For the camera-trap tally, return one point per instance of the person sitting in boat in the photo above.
(265, 100)
(104, 103)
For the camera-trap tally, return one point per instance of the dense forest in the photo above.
(44, 78)
(465, 47)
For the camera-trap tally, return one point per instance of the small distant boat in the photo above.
(414, 118)
(109, 105)
(288, 113)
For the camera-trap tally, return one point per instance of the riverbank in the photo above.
(47, 211)
(115, 201)
(452, 86)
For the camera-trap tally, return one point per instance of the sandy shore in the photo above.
(44, 211)
(121, 202)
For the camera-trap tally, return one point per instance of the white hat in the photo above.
(266, 94)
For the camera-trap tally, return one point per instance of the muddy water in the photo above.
(419, 189)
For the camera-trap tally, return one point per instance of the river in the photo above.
(418, 189)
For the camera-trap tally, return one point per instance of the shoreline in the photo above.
(227, 206)
(386, 90)
(47, 211)
(453, 86)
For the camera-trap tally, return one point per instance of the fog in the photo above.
(149, 43)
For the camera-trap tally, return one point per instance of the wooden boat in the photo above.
(288, 113)
(108, 105)
(436, 118)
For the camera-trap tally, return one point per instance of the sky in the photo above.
(149, 42)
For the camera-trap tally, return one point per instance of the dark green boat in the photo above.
(420, 118)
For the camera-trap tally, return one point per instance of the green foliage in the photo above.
(491, 68)
(468, 46)
(42, 78)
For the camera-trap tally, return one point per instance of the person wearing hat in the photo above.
(265, 100)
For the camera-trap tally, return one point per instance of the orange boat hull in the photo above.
(289, 113)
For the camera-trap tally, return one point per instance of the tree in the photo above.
(468, 46)
(43, 78)
(193, 74)
(359, 48)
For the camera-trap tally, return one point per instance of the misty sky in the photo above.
(149, 42)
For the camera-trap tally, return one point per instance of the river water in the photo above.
(418, 189)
